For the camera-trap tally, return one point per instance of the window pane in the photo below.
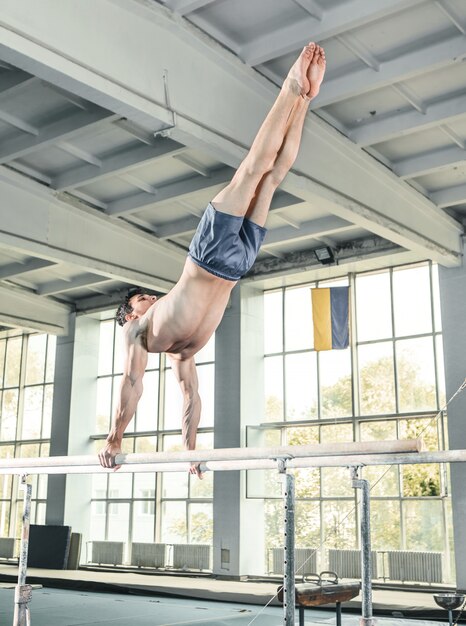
(411, 301)
(47, 413)
(174, 528)
(206, 376)
(2, 359)
(385, 525)
(32, 415)
(307, 482)
(339, 522)
(416, 374)
(120, 485)
(119, 357)
(335, 383)
(118, 521)
(143, 521)
(173, 402)
(442, 398)
(13, 361)
(207, 353)
(421, 480)
(336, 432)
(9, 415)
(104, 397)
(424, 527)
(302, 436)
(35, 362)
(307, 522)
(298, 319)
(97, 530)
(146, 444)
(4, 518)
(273, 387)
(144, 486)
(174, 485)
(373, 306)
(336, 481)
(426, 428)
(301, 386)
(273, 322)
(200, 523)
(384, 480)
(106, 347)
(376, 431)
(273, 521)
(436, 299)
(50, 363)
(147, 409)
(376, 378)
(99, 485)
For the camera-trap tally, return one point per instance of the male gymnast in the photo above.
(223, 249)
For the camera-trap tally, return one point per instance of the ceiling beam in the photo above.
(307, 230)
(62, 286)
(116, 164)
(172, 191)
(408, 65)
(400, 124)
(22, 309)
(10, 81)
(341, 19)
(449, 197)
(429, 162)
(61, 129)
(12, 270)
(63, 232)
(183, 7)
(356, 188)
(312, 7)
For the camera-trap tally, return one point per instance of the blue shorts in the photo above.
(226, 245)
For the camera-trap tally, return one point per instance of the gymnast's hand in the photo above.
(195, 469)
(107, 455)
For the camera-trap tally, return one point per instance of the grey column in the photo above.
(453, 306)
(56, 485)
(238, 523)
(82, 422)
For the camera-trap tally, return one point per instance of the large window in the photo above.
(388, 385)
(171, 508)
(27, 364)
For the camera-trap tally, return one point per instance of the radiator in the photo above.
(415, 566)
(148, 554)
(347, 563)
(107, 552)
(191, 556)
(305, 561)
(7, 547)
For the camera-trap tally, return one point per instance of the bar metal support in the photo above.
(367, 618)
(23, 592)
(289, 545)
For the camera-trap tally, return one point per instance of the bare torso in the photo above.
(183, 321)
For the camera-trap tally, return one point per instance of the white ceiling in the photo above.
(119, 121)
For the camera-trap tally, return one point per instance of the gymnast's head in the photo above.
(137, 302)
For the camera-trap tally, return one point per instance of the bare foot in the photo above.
(315, 72)
(297, 79)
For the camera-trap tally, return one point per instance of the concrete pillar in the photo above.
(453, 306)
(56, 485)
(82, 422)
(238, 544)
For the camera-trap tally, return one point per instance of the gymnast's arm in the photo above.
(130, 393)
(186, 375)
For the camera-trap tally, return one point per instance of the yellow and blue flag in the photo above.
(330, 314)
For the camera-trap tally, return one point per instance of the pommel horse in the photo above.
(320, 589)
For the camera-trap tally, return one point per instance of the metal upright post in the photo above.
(23, 592)
(366, 554)
(289, 549)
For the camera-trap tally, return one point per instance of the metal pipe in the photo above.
(289, 552)
(367, 618)
(23, 592)
(90, 464)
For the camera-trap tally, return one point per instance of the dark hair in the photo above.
(125, 308)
